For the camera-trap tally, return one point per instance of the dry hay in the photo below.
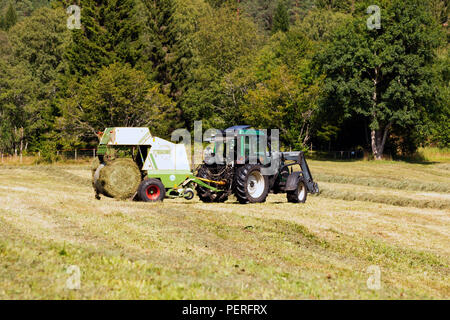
(403, 184)
(118, 179)
(385, 199)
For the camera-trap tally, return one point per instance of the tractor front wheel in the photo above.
(151, 190)
(299, 194)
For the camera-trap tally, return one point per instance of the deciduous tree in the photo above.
(383, 74)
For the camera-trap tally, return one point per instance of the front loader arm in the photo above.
(299, 157)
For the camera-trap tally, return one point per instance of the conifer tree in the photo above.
(168, 55)
(123, 31)
(2, 23)
(88, 52)
(109, 33)
(281, 18)
(10, 17)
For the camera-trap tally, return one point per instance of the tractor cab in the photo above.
(240, 144)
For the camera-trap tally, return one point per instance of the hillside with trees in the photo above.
(312, 69)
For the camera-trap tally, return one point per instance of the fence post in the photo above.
(75, 154)
(93, 152)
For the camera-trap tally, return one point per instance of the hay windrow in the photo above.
(390, 200)
(404, 184)
(118, 179)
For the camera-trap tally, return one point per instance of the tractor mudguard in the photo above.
(292, 181)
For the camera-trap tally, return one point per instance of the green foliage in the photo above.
(2, 22)
(440, 10)
(309, 68)
(117, 96)
(383, 74)
(281, 92)
(263, 12)
(336, 5)
(10, 17)
(109, 33)
(47, 152)
(168, 54)
(439, 116)
(223, 39)
(41, 41)
(281, 18)
(218, 3)
(87, 52)
(31, 58)
(17, 107)
(222, 43)
(37, 47)
(23, 8)
(320, 25)
(123, 31)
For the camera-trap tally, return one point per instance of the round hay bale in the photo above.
(94, 165)
(118, 179)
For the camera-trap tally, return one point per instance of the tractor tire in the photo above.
(205, 194)
(221, 197)
(151, 190)
(250, 185)
(299, 194)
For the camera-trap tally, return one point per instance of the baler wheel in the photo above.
(151, 190)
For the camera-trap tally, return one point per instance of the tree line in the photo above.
(312, 69)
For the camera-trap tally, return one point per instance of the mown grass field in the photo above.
(392, 215)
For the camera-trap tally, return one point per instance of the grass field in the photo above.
(392, 215)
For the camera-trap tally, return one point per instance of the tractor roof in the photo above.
(243, 130)
(236, 128)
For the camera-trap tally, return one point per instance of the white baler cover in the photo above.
(165, 155)
(130, 136)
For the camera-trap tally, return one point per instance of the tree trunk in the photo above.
(21, 141)
(15, 141)
(377, 149)
(378, 139)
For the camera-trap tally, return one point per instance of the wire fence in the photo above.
(77, 154)
(341, 155)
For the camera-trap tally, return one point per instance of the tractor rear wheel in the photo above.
(250, 184)
(205, 194)
(299, 194)
(151, 190)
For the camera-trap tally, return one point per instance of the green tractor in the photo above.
(133, 164)
(248, 169)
